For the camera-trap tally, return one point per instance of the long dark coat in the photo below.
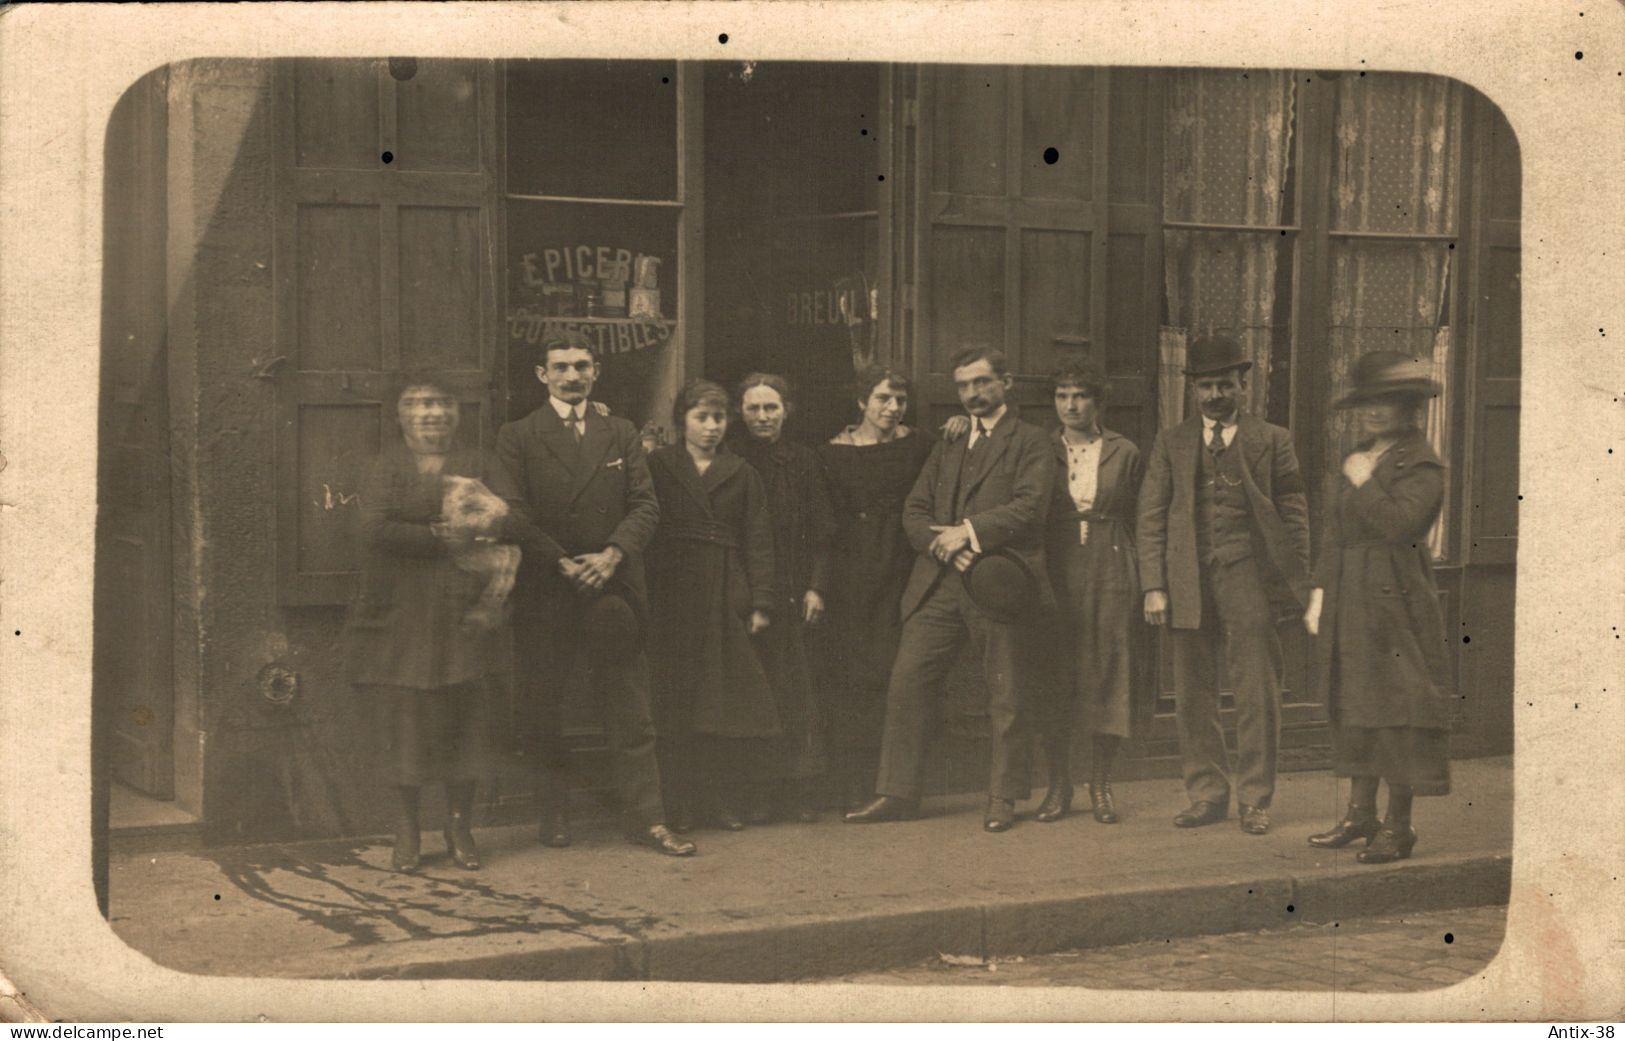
(710, 565)
(1166, 528)
(1097, 585)
(1381, 651)
(798, 505)
(406, 622)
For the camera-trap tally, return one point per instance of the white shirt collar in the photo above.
(1226, 430)
(990, 420)
(568, 412)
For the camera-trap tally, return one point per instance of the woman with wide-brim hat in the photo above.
(1380, 652)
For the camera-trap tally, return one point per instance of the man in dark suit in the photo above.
(585, 484)
(1223, 536)
(981, 497)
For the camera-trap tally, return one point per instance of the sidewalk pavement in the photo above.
(792, 901)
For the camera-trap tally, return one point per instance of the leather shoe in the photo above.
(1200, 813)
(1393, 842)
(460, 843)
(1358, 823)
(555, 827)
(884, 808)
(725, 818)
(1101, 803)
(1255, 820)
(1000, 815)
(659, 837)
(1057, 801)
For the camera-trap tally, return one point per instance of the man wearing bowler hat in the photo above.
(1223, 535)
(976, 518)
(585, 483)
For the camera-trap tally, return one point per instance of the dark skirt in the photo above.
(1100, 641)
(783, 653)
(1414, 756)
(438, 736)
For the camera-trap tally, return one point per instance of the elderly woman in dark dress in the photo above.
(798, 504)
(870, 468)
(1380, 652)
(710, 591)
(1089, 548)
(424, 629)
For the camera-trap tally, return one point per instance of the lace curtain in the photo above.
(1397, 173)
(1227, 139)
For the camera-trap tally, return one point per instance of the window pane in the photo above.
(594, 129)
(1054, 298)
(1398, 154)
(967, 295)
(569, 268)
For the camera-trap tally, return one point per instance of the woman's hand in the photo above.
(1358, 466)
(758, 621)
(955, 428)
(1311, 615)
(600, 408)
(812, 607)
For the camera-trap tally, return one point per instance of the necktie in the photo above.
(981, 433)
(1215, 440)
(577, 421)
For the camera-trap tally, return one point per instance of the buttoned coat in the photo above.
(1166, 528)
(1381, 654)
(1006, 503)
(581, 496)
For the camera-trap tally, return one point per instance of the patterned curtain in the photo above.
(1397, 173)
(1228, 136)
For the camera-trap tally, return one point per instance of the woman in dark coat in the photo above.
(870, 468)
(798, 503)
(1380, 652)
(424, 630)
(1099, 687)
(710, 589)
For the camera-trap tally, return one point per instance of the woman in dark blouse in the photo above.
(870, 468)
(710, 573)
(424, 630)
(798, 503)
(1380, 652)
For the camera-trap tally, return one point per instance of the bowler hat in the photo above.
(1381, 374)
(1213, 354)
(1001, 584)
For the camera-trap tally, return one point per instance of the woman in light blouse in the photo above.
(1098, 688)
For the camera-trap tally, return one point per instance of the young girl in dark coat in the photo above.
(710, 574)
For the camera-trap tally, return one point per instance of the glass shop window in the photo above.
(593, 202)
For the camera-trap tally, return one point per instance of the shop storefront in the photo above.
(284, 237)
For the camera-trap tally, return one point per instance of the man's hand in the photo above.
(1311, 615)
(812, 607)
(454, 537)
(572, 572)
(758, 622)
(1156, 607)
(951, 538)
(596, 569)
(964, 559)
(1358, 466)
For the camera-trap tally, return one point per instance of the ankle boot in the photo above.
(1394, 841)
(459, 826)
(1359, 822)
(404, 857)
(1100, 793)
(1058, 799)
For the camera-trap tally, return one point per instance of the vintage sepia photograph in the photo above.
(759, 521)
(927, 524)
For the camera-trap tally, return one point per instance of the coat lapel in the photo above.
(689, 477)
(724, 466)
(558, 438)
(589, 454)
(953, 466)
(1187, 441)
(1253, 447)
(998, 442)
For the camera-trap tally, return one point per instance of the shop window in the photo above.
(594, 212)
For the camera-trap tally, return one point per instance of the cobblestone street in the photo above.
(1391, 953)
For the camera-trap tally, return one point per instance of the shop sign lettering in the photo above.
(612, 336)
